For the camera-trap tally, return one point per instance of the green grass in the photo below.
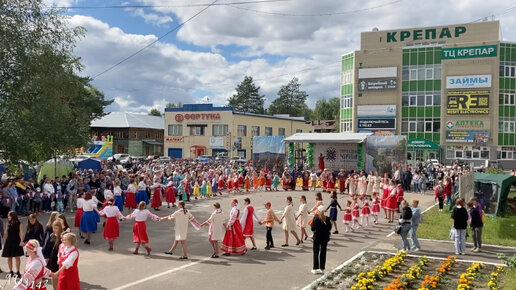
(508, 279)
(512, 194)
(497, 231)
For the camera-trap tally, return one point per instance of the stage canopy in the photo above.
(328, 137)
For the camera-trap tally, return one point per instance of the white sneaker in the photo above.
(457, 253)
(319, 271)
(314, 271)
(476, 250)
(415, 249)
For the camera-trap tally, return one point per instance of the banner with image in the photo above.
(468, 102)
(337, 156)
(467, 136)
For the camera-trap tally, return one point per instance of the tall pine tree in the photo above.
(247, 98)
(291, 100)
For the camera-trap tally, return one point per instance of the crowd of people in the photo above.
(116, 193)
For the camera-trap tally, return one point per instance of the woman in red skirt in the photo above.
(234, 238)
(130, 196)
(331, 182)
(170, 195)
(391, 205)
(385, 194)
(111, 228)
(79, 211)
(220, 184)
(140, 237)
(68, 257)
(156, 195)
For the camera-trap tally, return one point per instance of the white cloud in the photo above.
(152, 18)
(310, 47)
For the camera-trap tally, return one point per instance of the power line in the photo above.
(165, 6)
(150, 44)
(316, 14)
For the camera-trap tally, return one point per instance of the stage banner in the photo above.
(384, 153)
(337, 156)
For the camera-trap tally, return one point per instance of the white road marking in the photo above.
(392, 233)
(161, 274)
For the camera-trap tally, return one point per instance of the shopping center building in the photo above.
(202, 129)
(449, 89)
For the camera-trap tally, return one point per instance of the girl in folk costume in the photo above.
(324, 180)
(365, 212)
(376, 207)
(141, 195)
(68, 273)
(89, 217)
(355, 212)
(318, 202)
(268, 182)
(275, 181)
(362, 185)
(352, 186)
(79, 211)
(333, 211)
(233, 239)
(130, 196)
(35, 269)
(140, 237)
(385, 195)
(289, 221)
(203, 189)
(306, 179)
(186, 186)
(196, 190)
(111, 229)
(216, 229)
(348, 217)
(342, 181)
(331, 182)
(302, 217)
(370, 183)
(240, 179)
(286, 180)
(181, 219)
(376, 185)
(214, 185)
(117, 193)
(246, 221)
(209, 189)
(156, 194)
(170, 195)
(391, 204)
(247, 183)
(400, 196)
(181, 191)
(261, 181)
(236, 183)
(220, 184)
(230, 184)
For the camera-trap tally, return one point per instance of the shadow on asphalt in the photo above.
(86, 286)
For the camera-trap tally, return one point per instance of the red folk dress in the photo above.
(170, 195)
(156, 198)
(233, 242)
(247, 221)
(69, 278)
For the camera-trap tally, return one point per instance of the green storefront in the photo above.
(420, 149)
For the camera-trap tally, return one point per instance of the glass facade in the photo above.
(507, 102)
(346, 98)
(421, 93)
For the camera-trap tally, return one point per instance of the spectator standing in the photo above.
(321, 227)
(439, 194)
(460, 223)
(417, 217)
(475, 212)
(405, 221)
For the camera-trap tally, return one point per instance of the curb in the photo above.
(309, 286)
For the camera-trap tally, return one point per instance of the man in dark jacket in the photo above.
(321, 227)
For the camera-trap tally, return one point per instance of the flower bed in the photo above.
(374, 270)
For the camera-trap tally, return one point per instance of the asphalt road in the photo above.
(278, 268)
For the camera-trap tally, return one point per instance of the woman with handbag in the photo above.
(405, 223)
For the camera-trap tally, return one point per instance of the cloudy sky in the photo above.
(270, 40)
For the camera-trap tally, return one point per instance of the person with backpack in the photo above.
(439, 194)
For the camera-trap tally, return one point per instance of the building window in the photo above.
(413, 101)
(219, 130)
(429, 73)
(134, 134)
(507, 153)
(120, 148)
(412, 74)
(437, 100)
(148, 135)
(429, 100)
(268, 131)
(175, 130)
(437, 126)
(197, 130)
(508, 126)
(508, 99)
(281, 131)
(242, 130)
(412, 126)
(255, 131)
(299, 130)
(428, 126)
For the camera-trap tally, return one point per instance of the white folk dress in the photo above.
(217, 229)
(289, 218)
(181, 224)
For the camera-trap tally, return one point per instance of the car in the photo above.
(117, 157)
(125, 159)
(152, 157)
(162, 159)
(238, 162)
(138, 159)
(434, 162)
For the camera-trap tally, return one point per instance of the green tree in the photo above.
(291, 100)
(154, 112)
(247, 98)
(327, 110)
(172, 105)
(45, 107)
